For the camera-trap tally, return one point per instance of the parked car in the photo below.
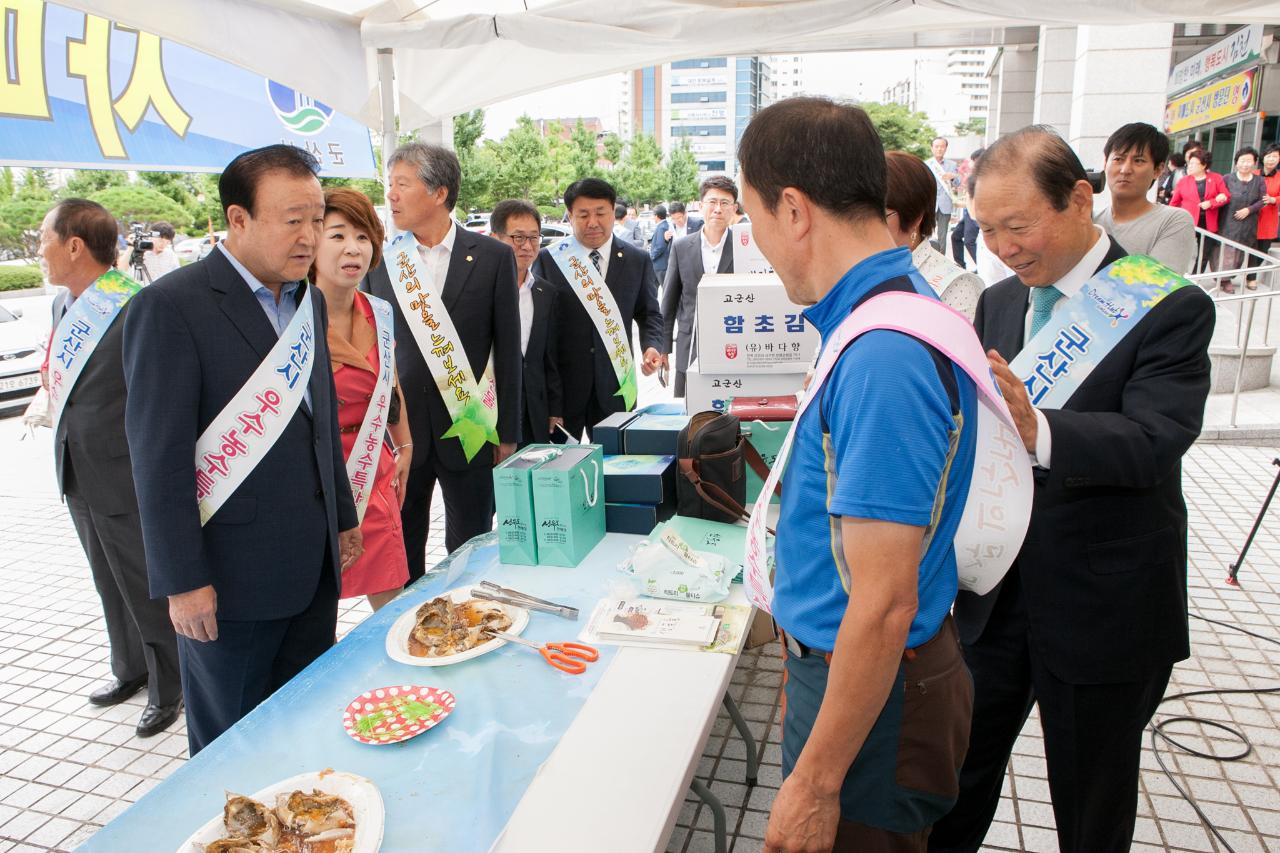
(21, 353)
(478, 222)
(195, 248)
(554, 232)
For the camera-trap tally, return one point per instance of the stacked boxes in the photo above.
(640, 491)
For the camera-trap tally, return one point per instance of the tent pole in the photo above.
(386, 76)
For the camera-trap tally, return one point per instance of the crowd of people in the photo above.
(224, 516)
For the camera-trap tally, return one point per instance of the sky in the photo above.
(857, 76)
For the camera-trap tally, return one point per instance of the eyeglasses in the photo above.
(523, 239)
(716, 202)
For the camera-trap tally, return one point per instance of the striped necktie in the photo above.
(1042, 301)
(595, 259)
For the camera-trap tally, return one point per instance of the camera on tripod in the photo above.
(143, 241)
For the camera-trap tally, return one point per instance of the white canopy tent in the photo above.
(448, 56)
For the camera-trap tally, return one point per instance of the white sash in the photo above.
(362, 463)
(998, 507)
(574, 262)
(249, 425)
(472, 405)
(80, 331)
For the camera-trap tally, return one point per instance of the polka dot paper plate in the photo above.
(395, 714)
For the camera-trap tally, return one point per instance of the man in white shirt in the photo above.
(161, 259)
(707, 250)
(948, 177)
(518, 224)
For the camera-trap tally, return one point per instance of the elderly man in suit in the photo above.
(1093, 614)
(518, 224)
(589, 376)
(247, 524)
(707, 250)
(469, 280)
(91, 458)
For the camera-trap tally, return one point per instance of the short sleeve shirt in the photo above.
(881, 443)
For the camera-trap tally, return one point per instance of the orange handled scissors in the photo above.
(566, 657)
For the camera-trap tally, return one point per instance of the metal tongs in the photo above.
(490, 591)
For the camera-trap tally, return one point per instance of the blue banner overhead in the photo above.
(79, 91)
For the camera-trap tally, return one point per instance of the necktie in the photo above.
(595, 259)
(1042, 302)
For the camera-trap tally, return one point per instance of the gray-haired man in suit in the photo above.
(707, 250)
(91, 457)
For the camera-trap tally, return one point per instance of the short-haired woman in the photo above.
(1240, 224)
(1200, 193)
(351, 244)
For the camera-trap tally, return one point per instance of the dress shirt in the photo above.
(710, 253)
(280, 313)
(943, 203)
(526, 310)
(1069, 285)
(606, 252)
(160, 263)
(435, 260)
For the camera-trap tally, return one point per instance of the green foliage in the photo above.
(14, 277)
(211, 208)
(6, 183)
(640, 177)
(583, 156)
(467, 130)
(20, 224)
(136, 203)
(36, 186)
(682, 173)
(86, 182)
(180, 187)
(477, 165)
(522, 162)
(613, 149)
(901, 129)
(972, 127)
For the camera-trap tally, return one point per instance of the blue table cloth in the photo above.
(452, 788)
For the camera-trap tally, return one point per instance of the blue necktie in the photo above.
(1042, 302)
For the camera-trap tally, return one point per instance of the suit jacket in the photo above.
(191, 341)
(1104, 564)
(680, 294)
(90, 443)
(660, 247)
(634, 286)
(543, 395)
(481, 297)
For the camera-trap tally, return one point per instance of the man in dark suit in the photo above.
(518, 224)
(253, 593)
(91, 458)
(710, 248)
(1093, 614)
(673, 223)
(586, 373)
(473, 277)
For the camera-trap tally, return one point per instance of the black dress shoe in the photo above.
(157, 718)
(116, 692)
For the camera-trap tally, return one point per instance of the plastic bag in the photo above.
(668, 568)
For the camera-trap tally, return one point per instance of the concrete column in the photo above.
(1013, 89)
(1055, 71)
(1120, 77)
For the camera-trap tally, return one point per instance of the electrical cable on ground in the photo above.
(1158, 732)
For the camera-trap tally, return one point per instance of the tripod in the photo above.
(138, 268)
(1235, 567)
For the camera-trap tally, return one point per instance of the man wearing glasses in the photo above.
(518, 224)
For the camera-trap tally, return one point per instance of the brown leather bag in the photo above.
(713, 457)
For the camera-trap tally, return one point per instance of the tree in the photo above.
(20, 225)
(178, 186)
(613, 149)
(901, 129)
(972, 127)
(36, 186)
(682, 173)
(467, 130)
(137, 203)
(477, 167)
(522, 162)
(640, 177)
(6, 184)
(86, 182)
(583, 156)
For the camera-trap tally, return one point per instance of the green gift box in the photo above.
(513, 501)
(568, 504)
(766, 438)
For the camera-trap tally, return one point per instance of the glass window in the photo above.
(711, 165)
(719, 62)
(699, 130)
(698, 97)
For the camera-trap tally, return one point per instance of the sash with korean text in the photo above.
(998, 506)
(472, 405)
(246, 429)
(585, 282)
(362, 463)
(80, 331)
(1083, 329)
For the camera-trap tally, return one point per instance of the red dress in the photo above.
(383, 565)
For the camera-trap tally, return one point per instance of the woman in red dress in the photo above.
(350, 244)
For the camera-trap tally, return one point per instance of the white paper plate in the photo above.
(398, 635)
(362, 794)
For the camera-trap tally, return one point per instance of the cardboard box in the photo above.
(568, 504)
(644, 479)
(513, 501)
(636, 517)
(767, 439)
(712, 392)
(746, 324)
(653, 435)
(608, 433)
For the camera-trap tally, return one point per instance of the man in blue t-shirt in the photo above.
(877, 698)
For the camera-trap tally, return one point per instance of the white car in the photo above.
(21, 354)
(195, 248)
